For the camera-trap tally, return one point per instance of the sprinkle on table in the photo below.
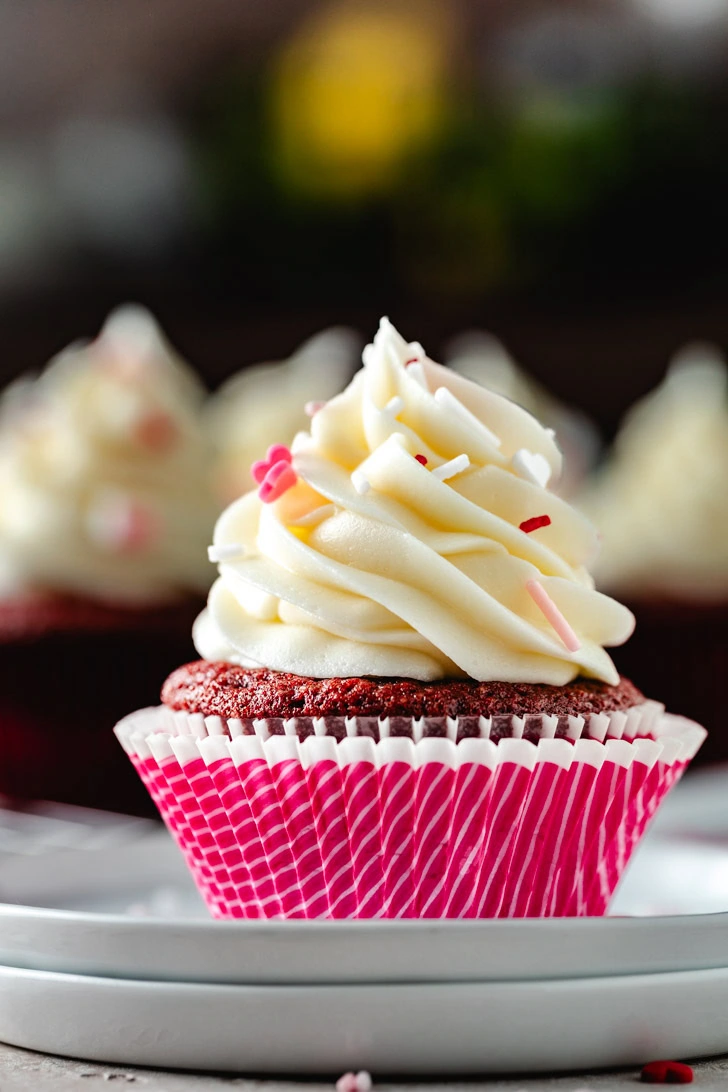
(355, 1082)
(666, 1073)
(534, 523)
(553, 615)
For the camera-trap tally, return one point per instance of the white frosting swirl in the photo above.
(372, 565)
(104, 472)
(661, 501)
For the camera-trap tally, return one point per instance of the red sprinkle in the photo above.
(412, 360)
(534, 523)
(421, 459)
(667, 1073)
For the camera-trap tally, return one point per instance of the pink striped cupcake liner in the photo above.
(532, 816)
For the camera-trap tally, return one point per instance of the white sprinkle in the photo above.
(447, 400)
(312, 408)
(531, 466)
(550, 433)
(318, 515)
(360, 482)
(225, 551)
(394, 405)
(449, 470)
(415, 349)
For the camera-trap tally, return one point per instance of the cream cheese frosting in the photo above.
(266, 403)
(661, 501)
(400, 545)
(105, 473)
(483, 358)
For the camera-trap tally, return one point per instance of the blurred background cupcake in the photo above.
(269, 403)
(105, 513)
(554, 173)
(661, 502)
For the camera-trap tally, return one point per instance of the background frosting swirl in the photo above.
(399, 573)
(104, 472)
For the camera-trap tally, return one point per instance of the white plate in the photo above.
(132, 911)
(425, 1029)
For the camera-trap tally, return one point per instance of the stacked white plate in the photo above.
(107, 953)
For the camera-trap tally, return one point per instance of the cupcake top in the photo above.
(661, 500)
(481, 357)
(104, 472)
(411, 533)
(267, 403)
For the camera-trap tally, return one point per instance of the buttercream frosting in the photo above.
(105, 473)
(661, 500)
(399, 549)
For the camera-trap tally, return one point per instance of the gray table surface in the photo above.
(25, 1071)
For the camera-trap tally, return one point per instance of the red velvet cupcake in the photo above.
(104, 508)
(405, 707)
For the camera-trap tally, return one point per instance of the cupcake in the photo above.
(404, 706)
(662, 506)
(482, 358)
(105, 508)
(268, 403)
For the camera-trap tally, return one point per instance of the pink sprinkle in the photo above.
(355, 1082)
(277, 453)
(421, 459)
(156, 431)
(312, 408)
(553, 615)
(534, 523)
(279, 479)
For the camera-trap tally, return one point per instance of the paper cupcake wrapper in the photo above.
(395, 818)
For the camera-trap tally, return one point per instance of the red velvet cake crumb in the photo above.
(225, 690)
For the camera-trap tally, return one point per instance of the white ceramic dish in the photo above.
(133, 912)
(464, 1028)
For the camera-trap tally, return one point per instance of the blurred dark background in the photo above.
(553, 172)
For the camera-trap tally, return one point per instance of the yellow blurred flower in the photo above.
(354, 91)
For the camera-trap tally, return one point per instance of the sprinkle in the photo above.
(666, 1073)
(156, 431)
(355, 1082)
(534, 523)
(360, 482)
(448, 401)
(449, 470)
(421, 459)
(225, 551)
(277, 453)
(531, 466)
(550, 433)
(553, 615)
(394, 406)
(317, 515)
(280, 478)
(312, 408)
